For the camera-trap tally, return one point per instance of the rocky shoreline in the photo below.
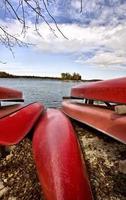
(104, 157)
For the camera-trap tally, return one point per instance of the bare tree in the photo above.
(19, 10)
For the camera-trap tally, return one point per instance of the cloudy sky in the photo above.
(95, 43)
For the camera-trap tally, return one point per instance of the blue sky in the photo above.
(95, 47)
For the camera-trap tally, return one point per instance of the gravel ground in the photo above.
(105, 159)
(106, 163)
(18, 174)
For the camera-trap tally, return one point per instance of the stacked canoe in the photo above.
(18, 119)
(103, 106)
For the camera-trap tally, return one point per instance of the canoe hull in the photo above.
(15, 126)
(57, 155)
(113, 90)
(10, 94)
(100, 118)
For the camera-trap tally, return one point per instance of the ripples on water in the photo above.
(48, 92)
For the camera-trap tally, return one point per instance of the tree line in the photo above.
(68, 76)
(64, 76)
(6, 75)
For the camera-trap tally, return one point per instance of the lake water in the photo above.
(48, 92)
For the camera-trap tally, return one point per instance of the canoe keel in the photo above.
(57, 156)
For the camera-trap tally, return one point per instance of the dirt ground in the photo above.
(105, 159)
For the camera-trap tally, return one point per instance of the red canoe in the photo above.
(61, 171)
(10, 94)
(113, 90)
(15, 126)
(98, 117)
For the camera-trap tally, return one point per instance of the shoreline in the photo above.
(11, 76)
(50, 78)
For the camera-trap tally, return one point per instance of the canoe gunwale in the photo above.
(106, 105)
(12, 100)
(94, 99)
(91, 99)
(23, 106)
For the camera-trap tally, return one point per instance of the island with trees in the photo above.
(68, 76)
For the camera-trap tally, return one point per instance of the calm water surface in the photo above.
(46, 91)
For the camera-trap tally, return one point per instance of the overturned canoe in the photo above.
(113, 90)
(98, 117)
(61, 171)
(8, 94)
(16, 122)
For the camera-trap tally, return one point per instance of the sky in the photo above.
(94, 44)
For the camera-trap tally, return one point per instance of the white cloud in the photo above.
(76, 4)
(80, 40)
(107, 59)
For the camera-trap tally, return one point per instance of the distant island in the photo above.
(64, 76)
